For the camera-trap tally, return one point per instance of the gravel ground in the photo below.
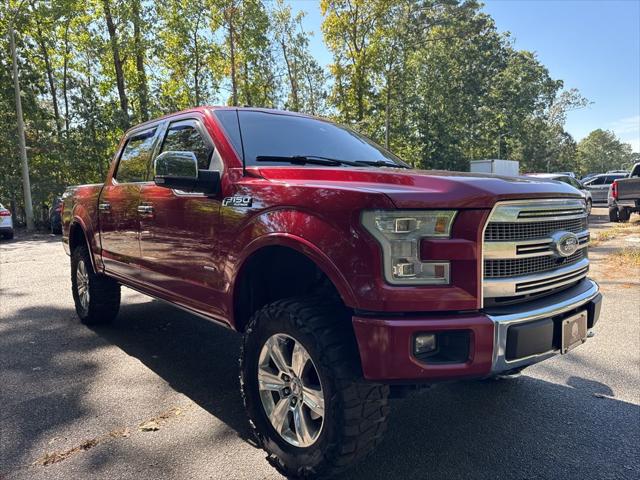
(76, 396)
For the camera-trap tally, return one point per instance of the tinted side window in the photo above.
(596, 181)
(184, 137)
(135, 158)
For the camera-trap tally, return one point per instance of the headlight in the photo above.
(399, 233)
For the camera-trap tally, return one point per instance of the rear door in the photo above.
(179, 230)
(598, 188)
(119, 201)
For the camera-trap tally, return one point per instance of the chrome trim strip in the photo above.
(557, 304)
(507, 286)
(505, 250)
(509, 212)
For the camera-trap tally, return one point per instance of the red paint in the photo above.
(315, 211)
(386, 344)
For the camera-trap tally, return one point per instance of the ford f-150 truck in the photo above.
(624, 196)
(349, 274)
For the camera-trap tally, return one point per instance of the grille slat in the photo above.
(527, 266)
(496, 232)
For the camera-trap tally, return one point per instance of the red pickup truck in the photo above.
(350, 274)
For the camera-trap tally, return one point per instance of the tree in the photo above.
(601, 150)
(305, 77)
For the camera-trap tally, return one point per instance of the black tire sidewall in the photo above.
(292, 456)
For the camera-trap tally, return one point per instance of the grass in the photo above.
(627, 257)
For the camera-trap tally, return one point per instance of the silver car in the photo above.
(598, 185)
(561, 177)
(6, 222)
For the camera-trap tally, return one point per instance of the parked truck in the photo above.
(349, 274)
(624, 196)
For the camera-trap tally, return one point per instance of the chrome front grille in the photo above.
(526, 231)
(528, 248)
(528, 265)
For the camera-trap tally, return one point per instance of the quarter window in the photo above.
(184, 137)
(134, 161)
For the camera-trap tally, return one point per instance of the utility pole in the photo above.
(26, 183)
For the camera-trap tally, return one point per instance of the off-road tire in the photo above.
(624, 214)
(613, 215)
(355, 411)
(104, 292)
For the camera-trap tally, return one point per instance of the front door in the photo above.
(118, 205)
(179, 230)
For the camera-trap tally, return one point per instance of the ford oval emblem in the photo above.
(565, 243)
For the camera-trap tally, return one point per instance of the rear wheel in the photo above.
(624, 214)
(96, 297)
(613, 214)
(303, 390)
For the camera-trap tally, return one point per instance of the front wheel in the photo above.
(96, 297)
(301, 383)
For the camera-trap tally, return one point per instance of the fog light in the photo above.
(424, 343)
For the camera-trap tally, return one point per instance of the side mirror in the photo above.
(179, 170)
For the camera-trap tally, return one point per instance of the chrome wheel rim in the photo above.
(290, 390)
(82, 282)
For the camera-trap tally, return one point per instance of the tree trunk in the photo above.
(44, 51)
(26, 183)
(196, 73)
(65, 75)
(292, 79)
(387, 111)
(117, 63)
(232, 55)
(143, 94)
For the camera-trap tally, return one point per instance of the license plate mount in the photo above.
(574, 331)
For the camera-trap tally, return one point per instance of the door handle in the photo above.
(145, 209)
(104, 207)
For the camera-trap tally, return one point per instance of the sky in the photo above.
(592, 45)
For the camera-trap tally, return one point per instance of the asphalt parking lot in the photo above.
(73, 398)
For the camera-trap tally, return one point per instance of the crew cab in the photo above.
(349, 273)
(624, 196)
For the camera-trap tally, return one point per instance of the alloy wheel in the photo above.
(290, 390)
(82, 282)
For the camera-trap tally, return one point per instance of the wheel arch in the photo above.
(278, 258)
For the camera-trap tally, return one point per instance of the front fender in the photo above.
(322, 242)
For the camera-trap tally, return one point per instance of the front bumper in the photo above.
(386, 344)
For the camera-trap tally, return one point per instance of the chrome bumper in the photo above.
(551, 306)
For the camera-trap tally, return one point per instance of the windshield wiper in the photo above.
(318, 160)
(305, 159)
(381, 163)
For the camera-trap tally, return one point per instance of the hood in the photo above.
(424, 188)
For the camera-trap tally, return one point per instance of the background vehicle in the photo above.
(347, 272)
(599, 184)
(499, 167)
(6, 222)
(586, 194)
(567, 174)
(624, 172)
(55, 216)
(624, 196)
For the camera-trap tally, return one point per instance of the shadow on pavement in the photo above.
(525, 428)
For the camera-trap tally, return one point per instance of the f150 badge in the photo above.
(237, 201)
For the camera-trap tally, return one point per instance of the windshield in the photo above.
(271, 134)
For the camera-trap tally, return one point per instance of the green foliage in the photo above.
(432, 79)
(601, 151)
